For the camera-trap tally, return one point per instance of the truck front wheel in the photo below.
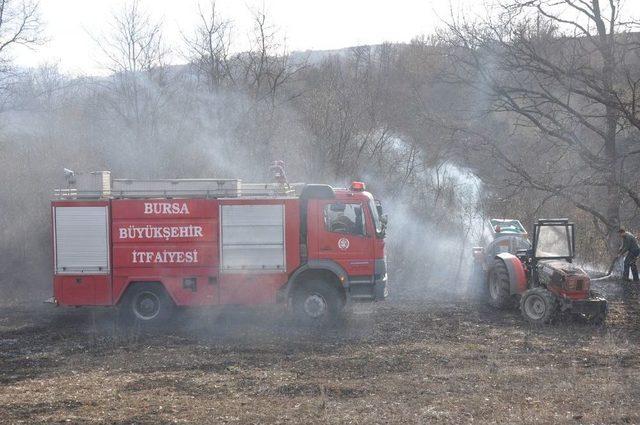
(146, 303)
(316, 302)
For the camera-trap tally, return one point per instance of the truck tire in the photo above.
(146, 304)
(498, 292)
(316, 302)
(538, 306)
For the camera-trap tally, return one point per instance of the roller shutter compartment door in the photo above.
(252, 238)
(81, 240)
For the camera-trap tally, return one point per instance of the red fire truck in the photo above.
(148, 246)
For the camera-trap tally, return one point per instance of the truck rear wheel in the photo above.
(146, 303)
(538, 306)
(498, 285)
(316, 302)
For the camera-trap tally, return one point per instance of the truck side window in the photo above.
(344, 218)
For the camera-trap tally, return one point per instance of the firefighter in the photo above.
(632, 249)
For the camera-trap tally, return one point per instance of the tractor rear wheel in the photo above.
(498, 285)
(538, 306)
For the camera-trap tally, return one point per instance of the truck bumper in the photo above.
(376, 291)
(380, 288)
(370, 290)
(381, 291)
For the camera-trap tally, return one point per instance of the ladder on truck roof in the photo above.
(100, 185)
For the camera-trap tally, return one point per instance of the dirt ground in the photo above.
(400, 361)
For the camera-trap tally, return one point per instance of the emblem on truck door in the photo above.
(343, 244)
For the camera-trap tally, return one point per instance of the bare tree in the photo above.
(20, 25)
(135, 55)
(265, 74)
(558, 70)
(267, 66)
(208, 49)
(134, 43)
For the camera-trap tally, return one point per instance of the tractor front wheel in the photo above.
(498, 285)
(538, 306)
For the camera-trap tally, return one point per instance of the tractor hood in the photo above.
(562, 274)
(561, 267)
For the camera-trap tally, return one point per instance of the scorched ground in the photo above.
(405, 361)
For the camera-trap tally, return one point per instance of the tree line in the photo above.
(530, 113)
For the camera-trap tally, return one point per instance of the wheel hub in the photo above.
(146, 306)
(493, 288)
(535, 307)
(315, 306)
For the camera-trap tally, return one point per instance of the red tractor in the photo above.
(543, 278)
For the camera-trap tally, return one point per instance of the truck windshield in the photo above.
(376, 217)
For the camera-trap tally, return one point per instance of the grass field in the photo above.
(401, 361)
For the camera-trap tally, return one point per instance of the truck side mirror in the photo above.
(384, 219)
(379, 207)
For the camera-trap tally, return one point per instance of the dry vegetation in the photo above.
(395, 362)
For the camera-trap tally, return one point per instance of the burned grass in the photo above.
(401, 361)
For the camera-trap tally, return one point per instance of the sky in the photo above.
(71, 26)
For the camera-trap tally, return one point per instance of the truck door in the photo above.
(344, 234)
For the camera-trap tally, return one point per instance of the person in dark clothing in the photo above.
(632, 249)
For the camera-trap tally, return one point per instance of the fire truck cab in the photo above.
(148, 246)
